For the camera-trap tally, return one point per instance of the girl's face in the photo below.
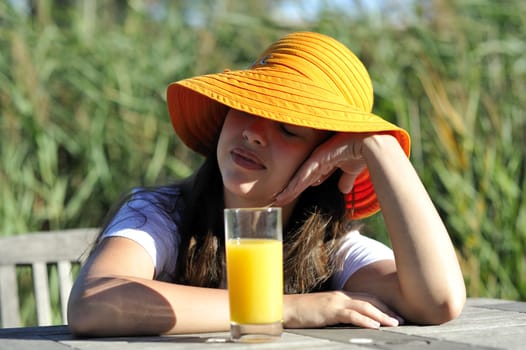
(257, 157)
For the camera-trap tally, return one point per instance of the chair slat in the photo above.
(9, 305)
(65, 279)
(41, 285)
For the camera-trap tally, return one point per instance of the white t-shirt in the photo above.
(151, 219)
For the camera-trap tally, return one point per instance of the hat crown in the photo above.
(326, 62)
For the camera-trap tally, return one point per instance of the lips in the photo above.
(246, 159)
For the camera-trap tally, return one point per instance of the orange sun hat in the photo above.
(306, 79)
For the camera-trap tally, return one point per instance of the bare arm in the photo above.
(426, 284)
(115, 295)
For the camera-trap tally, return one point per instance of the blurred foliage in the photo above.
(83, 115)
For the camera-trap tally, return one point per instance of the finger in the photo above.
(346, 182)
(322, 179)
(289, 193)
(376, 303)
(350, 173)
(304, 177)
(357, 319)
(372, 315)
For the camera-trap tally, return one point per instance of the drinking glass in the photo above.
(254, 264)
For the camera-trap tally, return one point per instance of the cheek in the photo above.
(220, 147)
(225, 137)
(289, 159)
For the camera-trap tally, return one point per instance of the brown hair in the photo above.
(310, 238)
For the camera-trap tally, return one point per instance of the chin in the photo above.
(239, 198)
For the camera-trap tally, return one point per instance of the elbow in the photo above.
(88, 315)
(447, 310)
(106, 307)
(82, 321)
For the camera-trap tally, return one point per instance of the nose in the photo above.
(256, 130)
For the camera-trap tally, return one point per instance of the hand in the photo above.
(343, 151)
(329, 308)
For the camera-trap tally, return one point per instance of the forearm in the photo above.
(427, 266)
(131, 306)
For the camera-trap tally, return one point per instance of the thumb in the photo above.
(346, 182)
(347, 179)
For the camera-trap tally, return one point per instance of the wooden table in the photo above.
(484, 324)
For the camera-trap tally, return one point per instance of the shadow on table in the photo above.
(63, 334)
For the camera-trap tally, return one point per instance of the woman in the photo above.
(294, 130)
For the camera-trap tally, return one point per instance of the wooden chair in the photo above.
(40, 250)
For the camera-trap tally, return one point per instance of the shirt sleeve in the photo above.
(358, 251)
(145, 219)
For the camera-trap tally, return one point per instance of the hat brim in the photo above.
(199, 105)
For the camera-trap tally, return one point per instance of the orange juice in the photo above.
(255, 280)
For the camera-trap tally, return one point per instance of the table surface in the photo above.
(484, 324)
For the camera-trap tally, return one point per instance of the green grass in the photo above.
(83, 115)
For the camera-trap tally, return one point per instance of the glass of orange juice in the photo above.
(254, 264)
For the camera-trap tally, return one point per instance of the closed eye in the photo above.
(287, 129)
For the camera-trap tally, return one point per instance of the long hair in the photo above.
(310, 238)
(201, 259)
